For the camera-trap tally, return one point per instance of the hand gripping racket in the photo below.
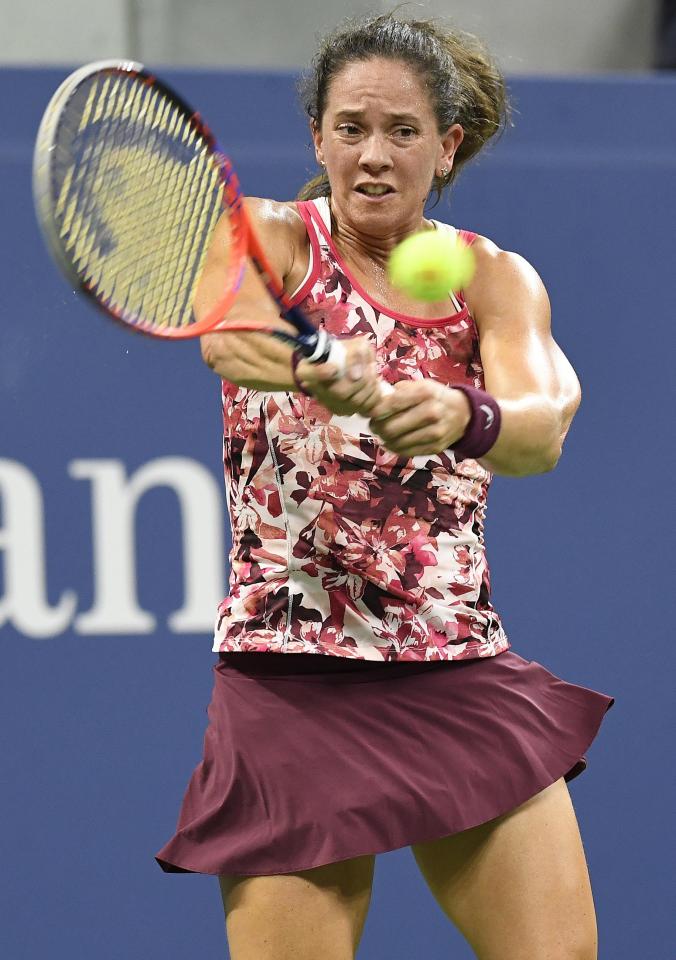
(129, 184)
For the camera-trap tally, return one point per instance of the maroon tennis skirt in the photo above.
(311, 759)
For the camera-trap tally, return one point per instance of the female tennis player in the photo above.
(366, 697)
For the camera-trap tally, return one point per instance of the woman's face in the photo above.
(381, 146)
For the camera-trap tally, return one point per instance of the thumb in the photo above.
(382, 407)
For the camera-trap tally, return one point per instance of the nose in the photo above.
(375, 156)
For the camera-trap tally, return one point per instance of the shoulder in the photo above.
(495, 267)
(275, 217)
(505, 285)
(495, 264)
(281, 231)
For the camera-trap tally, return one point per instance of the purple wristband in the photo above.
(296, 358)
(483, 427)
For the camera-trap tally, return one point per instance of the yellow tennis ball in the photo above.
(431, 264)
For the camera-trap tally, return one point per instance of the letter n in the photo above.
(114, 499)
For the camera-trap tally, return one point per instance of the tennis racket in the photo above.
(129, 184)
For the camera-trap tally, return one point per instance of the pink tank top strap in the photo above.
(305, 208)
(468, 236)
(320, 217)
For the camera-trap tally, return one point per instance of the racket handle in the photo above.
(321, 347)
(318, 347)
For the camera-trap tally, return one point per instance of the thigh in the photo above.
(517, 887)
(299, 916)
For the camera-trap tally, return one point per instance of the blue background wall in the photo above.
(100, 732)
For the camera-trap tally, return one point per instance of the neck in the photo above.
(356, 245)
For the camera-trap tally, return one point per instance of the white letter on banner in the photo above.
(22, 538)
(114, 500)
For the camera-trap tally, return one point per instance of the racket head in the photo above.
(128, 186)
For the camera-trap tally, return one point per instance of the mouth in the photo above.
(374, 191)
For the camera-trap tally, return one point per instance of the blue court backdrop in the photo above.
(113, 534)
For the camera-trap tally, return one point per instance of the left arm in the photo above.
(524, 370)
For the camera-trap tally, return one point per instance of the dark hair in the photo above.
(464, 83)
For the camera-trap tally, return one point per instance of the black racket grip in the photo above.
(317, 345)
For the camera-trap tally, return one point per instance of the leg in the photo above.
(299, 916)
(517, 887)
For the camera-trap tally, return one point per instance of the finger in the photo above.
(362, 366)
(383, 399)
(367, 399)
(396, 401)
(368, 378)
(361, 357)
(312, 373)
(327, 373)
(430, 437)
(356, 368)
(360, 400)
(415, 444)
(428, 417)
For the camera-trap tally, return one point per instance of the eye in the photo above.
(349, 129)
(406, 133)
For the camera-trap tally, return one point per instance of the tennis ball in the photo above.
(430, 264)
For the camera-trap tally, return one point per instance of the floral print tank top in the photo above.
(340, 547)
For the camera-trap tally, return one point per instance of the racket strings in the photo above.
(90, 237)
(167, 211)
(138, 197)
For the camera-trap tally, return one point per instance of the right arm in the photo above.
(257, 360)
(251, 359)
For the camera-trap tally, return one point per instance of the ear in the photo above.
(448, 147)
(317, 139)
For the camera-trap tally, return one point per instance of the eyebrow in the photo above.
(401, 117)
